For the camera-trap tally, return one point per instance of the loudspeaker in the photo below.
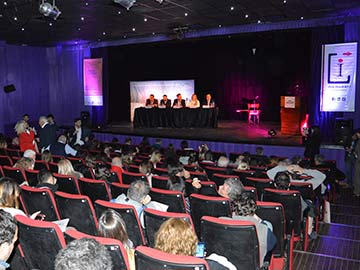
(85, 119)
(9, 88)
(343, 130)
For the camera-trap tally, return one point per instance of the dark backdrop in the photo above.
(225, 66)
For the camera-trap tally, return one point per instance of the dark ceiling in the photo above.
(93, 20)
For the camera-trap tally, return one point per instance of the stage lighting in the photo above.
(125, 3)
(49, 10)
(272, 133)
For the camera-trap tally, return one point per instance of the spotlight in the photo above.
(49, 10)
(125, 3)
(272, 133)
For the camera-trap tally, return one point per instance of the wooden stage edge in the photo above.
(227, 132)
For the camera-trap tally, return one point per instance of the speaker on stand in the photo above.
(343, 130)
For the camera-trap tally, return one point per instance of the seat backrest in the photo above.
(160, 171)
(32, 177)
(129, 177)
(41, 165)
(219, 178)
(234, 239)
(115, 247)
(40, 241)
(57, 158)
(305, 188)
(202, 205)
(94, 189)
(5, 161)
(17, 174)
(130, 217)
(147, 258)
(153, 220)
(133, 168)
(13, 152)
(80, 211)
(212, 170)
(75, 161)
(202, 176)
(53, 167)
(160, 182)
(174, 199)
(208, 188)
(243, 174)
(118, 189)
(253, 106)
(260, 184)
(67, 183)
(40, 199)
(292, 207)
(274, 213)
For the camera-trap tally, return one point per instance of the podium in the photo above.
(291, 114)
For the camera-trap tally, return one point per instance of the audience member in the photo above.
(312, 141)
(357, 165)
(46, 156)
(8, 237)
(151, 102)
(26, 136)
(66, 168)
(47, 134)
(231, 189)
(157, 144)
(3, 145)
(155, 158)
(146, 168)
(47, 180)
(112, 225)
(116, 166)
(30, 154)
(83, 254)
(243, 166)
(61, 148)
(176, 236)
(78, 135)
(25, 163)
(51, 120)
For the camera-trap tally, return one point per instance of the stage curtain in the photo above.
(326, 120)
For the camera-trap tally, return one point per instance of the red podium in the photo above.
(291, 113)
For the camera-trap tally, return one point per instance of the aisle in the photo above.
(338, 244)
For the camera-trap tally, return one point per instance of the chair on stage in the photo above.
(253, 111)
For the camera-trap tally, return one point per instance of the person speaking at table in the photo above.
(179, 102)
(165, 102)
(151, 102)
(194, 102)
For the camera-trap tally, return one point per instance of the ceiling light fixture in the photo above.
(49, 10)
(125, 3)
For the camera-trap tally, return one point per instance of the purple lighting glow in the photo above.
(93, 91)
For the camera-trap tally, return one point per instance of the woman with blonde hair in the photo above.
(66, 168)
(112, 225)
(177, 236)
(26, 136)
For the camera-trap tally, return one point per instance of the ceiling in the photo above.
(95, 20)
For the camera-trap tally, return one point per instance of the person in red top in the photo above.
(26, 136)
(116, 166)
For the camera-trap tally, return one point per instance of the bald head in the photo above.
(116, 161)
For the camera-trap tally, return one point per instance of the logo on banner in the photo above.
(336, 69)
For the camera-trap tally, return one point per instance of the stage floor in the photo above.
(227, 131)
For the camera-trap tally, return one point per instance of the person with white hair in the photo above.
(30, 154)
(61, 148)
(26, 136)
(47, 133)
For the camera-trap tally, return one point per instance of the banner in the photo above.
(93, 91)
(338, 77)
(140, 91)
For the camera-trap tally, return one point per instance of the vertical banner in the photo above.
(93, 91)
(338, 77)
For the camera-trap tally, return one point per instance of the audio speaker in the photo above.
(343, 130)
(9, 88)
(85, 119)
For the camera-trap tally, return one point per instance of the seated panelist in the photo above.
(194, 102)
(209, 102)
(165, 102)
(151, 101)
(179, 102)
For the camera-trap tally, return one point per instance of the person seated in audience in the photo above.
(259, 159)
(176, 168)
(176, 236)
(83, 254)
(157, 145)
(8, 237)
(232, 190)
(223, 162)
(138, 196)
(128, 148)
(9, 197)
(243, 166)
(165, 102)
(194, 102)
(205, 155)
(116, 166)
(78, 135)
(316, 177)
(47, 180)
(244, 210)
(179, 102)
(61, 148)
(112, 225)
(155, 158)
(170, 153)
(209, 102)
(26, 136)
(30, 154)
(146, 168)
(151, 102)
(102, 172)
(3, 145)
(25, 164)
(66, 168)
(46, 156)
